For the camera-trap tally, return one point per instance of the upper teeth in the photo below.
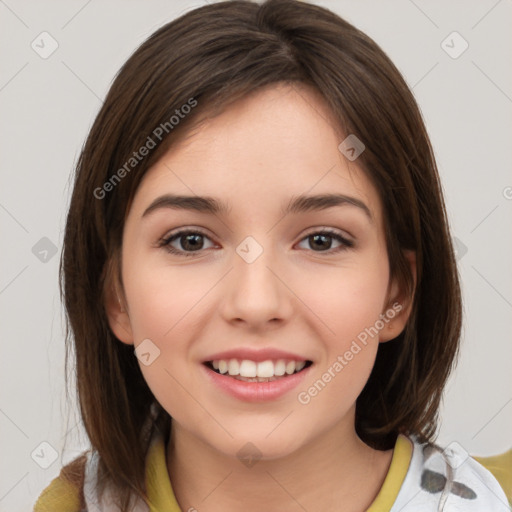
(247, 368)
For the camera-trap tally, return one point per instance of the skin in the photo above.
(274, 144)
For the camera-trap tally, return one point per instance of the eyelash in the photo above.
(166, 241)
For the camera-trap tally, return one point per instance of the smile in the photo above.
(256, 381)
(253, 371)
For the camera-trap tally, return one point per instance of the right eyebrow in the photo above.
(193, 203)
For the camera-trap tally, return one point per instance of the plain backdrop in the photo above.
(48, 105)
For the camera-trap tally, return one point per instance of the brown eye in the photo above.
(187, 242)
(323, 241)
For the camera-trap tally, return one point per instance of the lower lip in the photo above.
(256, 391)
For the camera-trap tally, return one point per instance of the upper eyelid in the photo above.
(314, 230)
(334, 231)
(183, 231)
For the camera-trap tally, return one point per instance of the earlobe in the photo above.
(399, 304)
(117, 315)
(393, 329)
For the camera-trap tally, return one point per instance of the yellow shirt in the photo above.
(63, 493)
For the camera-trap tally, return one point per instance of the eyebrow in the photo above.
(297, 204)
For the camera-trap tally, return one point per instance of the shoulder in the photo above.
(448, 479)
(65, 492)
(501, 467)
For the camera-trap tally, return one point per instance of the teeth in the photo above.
(299, 365)
(233, 367)
(265, 369)
(223, 366)
(248, 369)
(290, 367)
(255, 371)
(279, 367)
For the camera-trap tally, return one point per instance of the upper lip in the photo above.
(255, 355)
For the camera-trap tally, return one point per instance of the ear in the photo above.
(117, 311)
(398, 305)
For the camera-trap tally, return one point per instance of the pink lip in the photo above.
(255, 391)
(255, 355)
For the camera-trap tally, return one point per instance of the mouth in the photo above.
(252, 371)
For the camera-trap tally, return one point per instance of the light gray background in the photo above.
(48, 105)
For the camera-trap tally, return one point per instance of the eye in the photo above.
(188, 241)
(323, 240)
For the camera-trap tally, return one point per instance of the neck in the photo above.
(335, 468)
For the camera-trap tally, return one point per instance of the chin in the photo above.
(251, 446)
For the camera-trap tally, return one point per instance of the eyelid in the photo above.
(184, 230)
(337, 234)
(332, 231)
(165, 241)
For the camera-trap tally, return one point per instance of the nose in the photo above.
(255, 290)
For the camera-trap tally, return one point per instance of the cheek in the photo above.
(346, 300)
(162, 300)
(163, 305)
(350, 310)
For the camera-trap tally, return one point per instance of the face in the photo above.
(265, 281)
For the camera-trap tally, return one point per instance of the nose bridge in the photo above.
(256, 293)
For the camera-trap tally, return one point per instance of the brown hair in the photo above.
(247, 47)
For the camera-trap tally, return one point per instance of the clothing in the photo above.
(449, 481)
(421, 478)
(500, 465)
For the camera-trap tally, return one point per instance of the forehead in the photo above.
(277, 143)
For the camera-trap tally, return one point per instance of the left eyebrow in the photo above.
(297, 204)
(300, 204)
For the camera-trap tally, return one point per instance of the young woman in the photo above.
(259, 279)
